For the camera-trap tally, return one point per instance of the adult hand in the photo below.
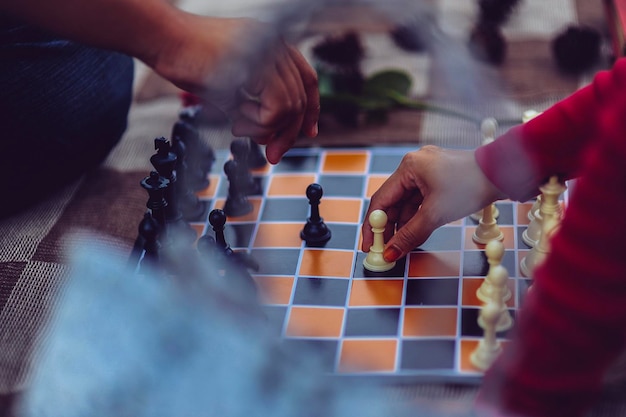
(243, 66)
(431, 187)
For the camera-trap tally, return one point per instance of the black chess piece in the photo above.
(191, 207)
(217, 220)
(256, 157)
(315, 232)
(149, 231)
(200, 156)
(235, 264)
(156, 185)
(164, 161)
(240, 149)
(138, 247)
(237, 203)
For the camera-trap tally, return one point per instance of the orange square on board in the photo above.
(209, 192)
(430, 321)
(522, 213)
(291, 185)
(434, 264)
(338, 210)
(250, 217)
(274, 289)
(368, 356)
(471, 285)
(278, 235)
(373, 184)
(198, 228)
(315, 322)
(374, 292)
(345, 162)
(467, 347)
(507, 231)
(326, 263)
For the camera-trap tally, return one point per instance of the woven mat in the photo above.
(110, 202)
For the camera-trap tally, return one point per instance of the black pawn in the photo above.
(315, 232)
(200, 156)
(191, 207)
(256, 157)
(240, 149)
(235, 264)
(237, 203)
(217, 220)
(207, 245)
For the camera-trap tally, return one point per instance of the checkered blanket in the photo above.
(110, 202)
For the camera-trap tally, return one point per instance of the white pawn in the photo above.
(534, 208)
(487, 229)
(531, 235)
(540, 251)
(489, 347)
(479, 214)
(374, 260)
(488, 128)
(499, 278)
(494, 252)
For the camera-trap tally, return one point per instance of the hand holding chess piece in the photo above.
(374, 260)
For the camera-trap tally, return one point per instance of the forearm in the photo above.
(572, 323)
(554, 142)
(135, 27)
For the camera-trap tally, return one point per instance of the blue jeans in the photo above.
(63, 107)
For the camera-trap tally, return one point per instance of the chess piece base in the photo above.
(375, 262)
(483, 356)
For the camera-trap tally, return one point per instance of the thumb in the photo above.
(411, 235)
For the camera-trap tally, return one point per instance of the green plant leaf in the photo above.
(381, 82)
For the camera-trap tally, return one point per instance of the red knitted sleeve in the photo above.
(552, 143)
(573, 322)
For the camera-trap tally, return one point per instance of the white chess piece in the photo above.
(489, 347)
(551, 213)
(494, 252)
(374, 260)
(548, 202)
(487, 229)
(488, 129)
(529, 115)
(499, 278)
(534, 208)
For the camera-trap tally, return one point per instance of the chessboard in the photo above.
(416, 322)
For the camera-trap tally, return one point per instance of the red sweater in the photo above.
(573, 323)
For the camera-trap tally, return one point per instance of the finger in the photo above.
(282, 95)
(390, 194)
(310, 83)
(411, 235)
(243, 126)
(282, 142)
